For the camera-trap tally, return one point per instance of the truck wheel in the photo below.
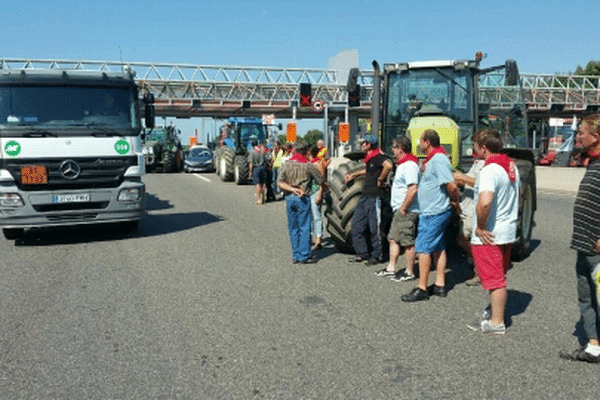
(344, 198)
(13, 233)
(527, 206)
(241, 170)
(226, 164)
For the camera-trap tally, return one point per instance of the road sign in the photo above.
(318, 106)
(344, 132)
(291, 132)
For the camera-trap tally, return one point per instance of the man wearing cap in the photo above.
(366, 220)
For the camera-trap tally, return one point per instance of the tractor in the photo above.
(456, 99)
(231, 157)
(163, 150)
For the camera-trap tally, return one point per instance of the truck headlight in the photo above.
(11, 200)
(131, 194)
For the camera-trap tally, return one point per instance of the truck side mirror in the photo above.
(149, 110)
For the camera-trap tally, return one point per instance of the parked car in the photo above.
(198, 159)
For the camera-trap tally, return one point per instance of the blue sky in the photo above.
(544, 37)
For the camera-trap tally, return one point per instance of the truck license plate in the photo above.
(71, 198)
(34, 175)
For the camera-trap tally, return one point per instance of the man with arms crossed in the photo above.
(437, 194)
(495, 222)
(405, 207)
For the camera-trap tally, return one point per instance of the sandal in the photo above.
(317, 246)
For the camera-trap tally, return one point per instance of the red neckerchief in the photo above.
(595, 156)
(299, 158)
(436, 150)
(505, 162)
(408, 157)
(371, 154)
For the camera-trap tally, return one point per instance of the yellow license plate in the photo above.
(34, 175)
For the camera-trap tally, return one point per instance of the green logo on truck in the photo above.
(12, 148)
(122, 147)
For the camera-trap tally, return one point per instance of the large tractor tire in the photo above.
(344, 198)
(226, 164)
(217, 160)
(241, 170)
(527, 207)
(169, 162)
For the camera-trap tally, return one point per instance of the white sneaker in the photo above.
(487, 327)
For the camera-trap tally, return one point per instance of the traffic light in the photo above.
(354, 97)
(305, 95)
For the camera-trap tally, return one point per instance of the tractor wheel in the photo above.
(226, 164)
(217, 161)
(343, 202)
(169, 163)
(527, 206)
(241, 170)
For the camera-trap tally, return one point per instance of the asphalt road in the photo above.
(203, 302)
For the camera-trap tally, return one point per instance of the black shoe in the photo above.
(579, 355)
(372, 261)
(356, 259)
(310, 260)
(435, 290)
(417, 294)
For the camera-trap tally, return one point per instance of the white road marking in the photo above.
(202, 177)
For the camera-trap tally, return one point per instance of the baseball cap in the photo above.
(372, 139)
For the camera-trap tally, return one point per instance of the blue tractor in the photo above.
(231, 158)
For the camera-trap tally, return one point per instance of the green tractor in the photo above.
(456, 98)
(163, 149)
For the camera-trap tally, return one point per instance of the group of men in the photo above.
(422, 200)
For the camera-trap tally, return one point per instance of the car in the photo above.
(198, 159)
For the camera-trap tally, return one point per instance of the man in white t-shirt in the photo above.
(495, 222)
(405, 207)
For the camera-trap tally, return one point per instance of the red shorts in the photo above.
(491, 263)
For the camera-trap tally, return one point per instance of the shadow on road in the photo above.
(152, 225)
(516, 304)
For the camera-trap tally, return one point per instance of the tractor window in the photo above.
(249, 132)
(444, 88)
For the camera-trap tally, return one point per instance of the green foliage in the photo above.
(311, 137)
(592, 68)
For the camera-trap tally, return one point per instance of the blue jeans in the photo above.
(299, 218)
(317, 218)
(587, 293)
(365, 229)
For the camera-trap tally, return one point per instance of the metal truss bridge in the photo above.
(187, 90)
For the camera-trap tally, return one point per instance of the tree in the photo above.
(592, 68)
(311, 137)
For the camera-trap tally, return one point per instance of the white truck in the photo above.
(71, 150)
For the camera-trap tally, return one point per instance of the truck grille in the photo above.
(96, 172)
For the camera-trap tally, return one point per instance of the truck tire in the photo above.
(527, 206)
(226, 164)
(241, 170)
(344, 198)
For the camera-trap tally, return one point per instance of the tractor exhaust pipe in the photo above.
(376, 100)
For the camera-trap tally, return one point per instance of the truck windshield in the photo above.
(61, 110)
(444, 88)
